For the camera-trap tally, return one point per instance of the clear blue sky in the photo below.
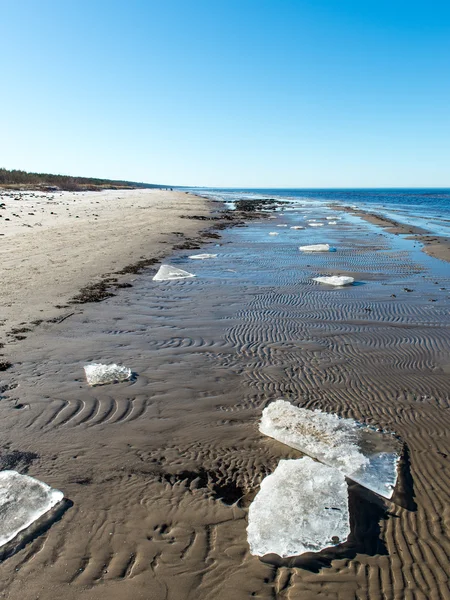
(316, 93)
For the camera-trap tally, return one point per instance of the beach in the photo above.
(159, 471)
(55, 244)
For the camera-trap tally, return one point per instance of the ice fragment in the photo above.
(297, 227)
(316, 248)
(23, 500)
(316, 224)
(338, 280)
(273, 233)
(301, 507)
(363, 454)
(169, 273)
(98, 374)
(203, 256)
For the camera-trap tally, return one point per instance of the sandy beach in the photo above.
(159, 472)
(54, 244)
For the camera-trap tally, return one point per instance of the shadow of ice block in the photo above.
(301, 507)
(360, 452)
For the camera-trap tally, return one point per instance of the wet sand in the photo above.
(437, 246)
(160, 471)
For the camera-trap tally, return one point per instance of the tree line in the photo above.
(16, 178)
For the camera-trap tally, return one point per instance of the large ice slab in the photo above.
(169, 273)
(316, 248)
(363, 454)
(338, 280)
(98, 374)
(301, 507)
(23, 500)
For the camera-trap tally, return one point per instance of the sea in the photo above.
(428, 208)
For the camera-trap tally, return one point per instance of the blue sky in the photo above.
(253, 93)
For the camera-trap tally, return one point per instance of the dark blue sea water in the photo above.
(427, 208)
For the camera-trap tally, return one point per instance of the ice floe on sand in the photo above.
(301, 507)
(317, 248)
(98, 374)
(23, 500)
(169, 273)
(363, 454)
(202, 256)
(337, 280)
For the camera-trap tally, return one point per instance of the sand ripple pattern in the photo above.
(161, 470)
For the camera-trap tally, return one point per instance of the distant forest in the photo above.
(21, 179)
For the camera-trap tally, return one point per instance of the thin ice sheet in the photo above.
(169, 273)
(23, 500)
(301, 507)
(337, 280)
(363, 454)
(316, 248)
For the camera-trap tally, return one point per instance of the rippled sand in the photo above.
(161, 470)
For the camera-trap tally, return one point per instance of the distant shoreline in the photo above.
(433, 245)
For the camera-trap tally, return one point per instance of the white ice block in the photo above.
(316, 224)
(202, 256)
(169, 273)
(316, 248)
(301, 507)
(23, 500)
(273, 233)
(297, 227)
(98, 374)
(363, 454)
(337, 280)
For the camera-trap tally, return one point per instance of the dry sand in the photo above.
(54, 244)
(159, 472)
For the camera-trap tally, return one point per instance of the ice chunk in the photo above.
(98, 374)
(297, 227)
(332, 222)
(301, 507)
(202, 256)
(338, 280)
(273, 233)
(312, 220)
(281, 225)
(333, 218)
(23, 500)
(363, 454)
(316, 224)
(169, 273)
(316, 248)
